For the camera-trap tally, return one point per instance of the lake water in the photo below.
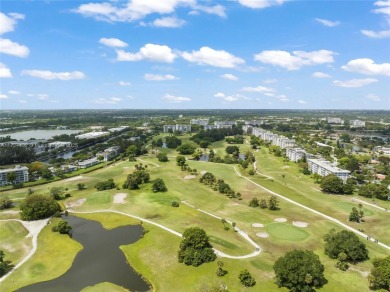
(101, 260)
(39, 134)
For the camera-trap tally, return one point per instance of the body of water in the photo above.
(39, 134)
(99, 261)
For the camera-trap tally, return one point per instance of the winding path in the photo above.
(217, 252)
(34, 228)
(372, 205)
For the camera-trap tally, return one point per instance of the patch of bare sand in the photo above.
(120, 198)
(78, 203)
(74, 178)
(280, 220)
(257, 225)
(262, 234)
(203, 172)
(190, 176)
(300, 224)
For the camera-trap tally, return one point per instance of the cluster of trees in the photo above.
(380, 192)
(58, 193)
(5, 266)
(157, 143)
(105, 185)
(5, 203)
(16, 154)
(186, 148)
(159, 186)
(246, 279)
(380, 274)
(195, 248)
(62, 227)
(205, 138)
(218, 185)
(181, 161)
(135, 179)
(36, 207)
(356, 215)
(273, 203)
(333, 184)
(237, 139)
(162, 157)
(172, 142)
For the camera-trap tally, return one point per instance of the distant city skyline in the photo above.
(184, 54)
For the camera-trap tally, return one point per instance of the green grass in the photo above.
(285, 231)
(13, 241)
(104, 287)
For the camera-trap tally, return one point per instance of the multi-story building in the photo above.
(88, 163)
(109, 153)
(177, 127)
(324, 168)
(382, 150)
(335, 121)
(357, 124)
(210, 127)
(59, 144)
(295, 154)
(21, 175)
(224, 124)
(200, 122)
(275, 139)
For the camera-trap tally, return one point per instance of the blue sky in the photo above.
(140, 54)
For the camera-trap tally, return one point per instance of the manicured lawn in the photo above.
(13, 241)
(285, 231)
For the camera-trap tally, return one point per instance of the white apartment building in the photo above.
(88, 163)
(109, 153)
(210, 127)
(200, 122)
(275, 139)
(59, 144)
(335, 121)
(357, 124)
(21, 173)
(381, 149)
(177, 127)
(324, 168)
(295, 154)
(92, 135)
(223, 124)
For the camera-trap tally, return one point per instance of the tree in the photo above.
(299, 270)
(374, 191)
(5, 266)
(46, 173)
(232, 150)
(316, 177)
(172, 142)
(346, 242)
(105, 185)
(80, 186)
(5, 203)
(57, 192)
(332, 184)
(135, 179)
(36, 206)
(11, 177)
(159, 186)
(186, 148)
(354, 216)
(195, 248)
(220, 272)
(62, 227)
(162, 157)
(254, 202)
(246, 279)
(263, 204)
(180, 160)
(380, 274)
(273, 203)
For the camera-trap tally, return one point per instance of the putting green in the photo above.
(286, 231)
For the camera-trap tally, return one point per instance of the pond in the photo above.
(100, 260)
(39, 134)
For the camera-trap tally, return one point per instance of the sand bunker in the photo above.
(203, 172)
(78, 203)
(300, 224)
(280, 220)
(190, 176)
(257, 225)
(120, 198)
(74, 178)
(262, 234)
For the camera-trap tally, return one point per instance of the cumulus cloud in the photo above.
(321, 75)
(261, 89)
(376, 34)
(373, 97)
(175, 99)
(216, 58)
(14, 92)
(124, 83)
(260, 4)
(3, 96)
(170, 22)
(156, 77)
(353, 83)
(5, 72)
(11, 48)
(328, 23)
(48, 75)
(384, 8)
(225, 97)
(367, 66)
(296, 60)
(113, 42)
(109, 100)
(8, 22)
(216, 9)
(150, 52)
(301, 101)
(229, 77)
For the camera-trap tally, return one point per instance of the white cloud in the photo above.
(5, 72)
(384, 9)
(110, 100)
(3, 96)
(353, 83)
(328, 23)
(229, 77)
(150, 52)
(42, 96)
(321, 75)
(14, 92)
(376, 34)
(11, 48)
(295, 60)
(259, 4)
(156, 77)
(7, 23)
(48, 75)
(225, 97)
(368, 67)
(217, 10)
(113, 42)
(301, 101)
(373, 97)
(124, 83)
(213, 57)
(175, 99)
(171, 22)
(261, 89)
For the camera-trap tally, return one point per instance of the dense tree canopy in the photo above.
(159, 186)
(246, 279)
(162, 157)
(345, 242)
(36, 206)
(5, 203)
(195, 248)
(299, 270)
(380, 192)
(172, 142)
(105, 185)
(380, 274)
(62, 227)
(332, 184)
(16, 154)
(186, 148)
(135, 179)
(5, 266)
